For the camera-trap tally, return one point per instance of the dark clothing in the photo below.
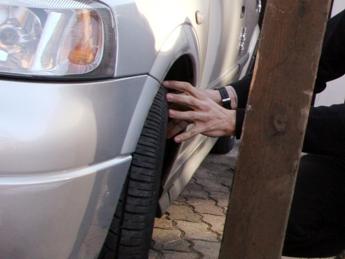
(326, 126)
(317, 219)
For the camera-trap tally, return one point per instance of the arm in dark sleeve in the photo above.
(332, 60)
(332, 66)
(242, 90)
(325, 132)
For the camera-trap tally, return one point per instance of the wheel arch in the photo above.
(178, 59)
(179, 50)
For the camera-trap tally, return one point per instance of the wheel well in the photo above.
(182, 70)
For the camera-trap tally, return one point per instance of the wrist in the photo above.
(231, 123)
(214, 95)
(233, 96)
(228, 97)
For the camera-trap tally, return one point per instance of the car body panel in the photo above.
(64, 161)
(56, 214)
(59, 126)
(213, 44)
(145, 26)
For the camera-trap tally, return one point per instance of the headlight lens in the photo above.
(56, 38)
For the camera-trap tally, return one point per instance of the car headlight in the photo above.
(57, 39)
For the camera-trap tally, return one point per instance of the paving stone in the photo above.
(213, 177)
(216, 222)
(212, 180)
(227, 184)
(205, 199)
(164, 223)
(181, 200)
(206, 206)
(212, 186)
(204, 173)
(167, 239)
(219, 165)
(224, 181)
(221, 198)
(196, 231)
(180, 245)
(194, 186)
(194, 193)
(219, 172)
(183, 212)
(153, 255)
(164, 236)
(210, 250)
(224, 175)
(178, 255)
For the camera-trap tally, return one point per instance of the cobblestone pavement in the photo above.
(193, 225)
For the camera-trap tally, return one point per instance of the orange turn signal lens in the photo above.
(82, 54)
(87, 38)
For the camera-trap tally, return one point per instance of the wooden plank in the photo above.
(275, 123)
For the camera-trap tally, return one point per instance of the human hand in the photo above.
(176, 126)
(205, 115)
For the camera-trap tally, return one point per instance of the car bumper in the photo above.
(64, 156)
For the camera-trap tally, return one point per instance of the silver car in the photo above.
(85, 165)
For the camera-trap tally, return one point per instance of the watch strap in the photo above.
(226, 101)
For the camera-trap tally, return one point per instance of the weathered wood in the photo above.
(275, 123)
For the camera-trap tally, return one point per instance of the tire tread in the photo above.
(133, 219)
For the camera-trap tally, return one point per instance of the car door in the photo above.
(220, 64)
(226, 20)
(219, 37)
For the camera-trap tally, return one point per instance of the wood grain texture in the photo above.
(274, 128)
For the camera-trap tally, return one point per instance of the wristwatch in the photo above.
(226, 101)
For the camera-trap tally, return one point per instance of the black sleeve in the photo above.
(240, 113)
(325, 132)
(324, 122)
(332, 60)
(242, 90)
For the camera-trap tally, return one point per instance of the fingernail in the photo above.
(165, 83)
(169, 97)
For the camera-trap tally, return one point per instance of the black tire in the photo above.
(130, 233)
(223, 145)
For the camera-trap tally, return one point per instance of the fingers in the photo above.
(198, 108)
(182, 87)
(185, 100)
(192, 132)
(191, 116)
